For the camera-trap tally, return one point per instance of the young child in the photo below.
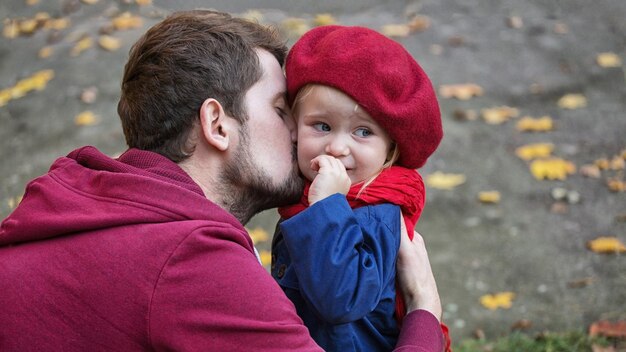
(367, 117)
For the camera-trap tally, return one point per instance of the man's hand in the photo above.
(331, 178)
(415, 275)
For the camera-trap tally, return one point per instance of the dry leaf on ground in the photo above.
(572, 101)
(85, 118)
(499, 114)
(551, 169)
(608, 60)
(489, 197)
(606, 244)
(266, 257)
(127, 20)
(419, 23)
(616, 185)
(45, 52)
(530, 124)
(37, 81)
(109, 43)
(253, 15)
(81, 45)
(533, 151)
(591, 171)
(258, 235)
(460, 91)
(295, 27)
(502, 300)
(440, 180)
(324, 19)
(608, 329)
(396, 30)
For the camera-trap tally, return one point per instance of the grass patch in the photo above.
(576, 341)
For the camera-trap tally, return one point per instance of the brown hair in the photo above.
(180, 62)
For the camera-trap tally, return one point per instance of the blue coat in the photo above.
(338, 267)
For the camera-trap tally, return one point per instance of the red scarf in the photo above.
(397, 185)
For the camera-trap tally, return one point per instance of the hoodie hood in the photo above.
(87, 190)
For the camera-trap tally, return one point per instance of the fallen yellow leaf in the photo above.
(533, 151)
(530, 124)
(499, 300)
(396, 30)
(608, 60)
(143, 2)
(419, 23)
(324, 19)
(5, 96)
(606, 244)
(572, 101)
(591, 171)
(295, 27)
(616, 185)
(617, 163)
(11, 29)
(45, 52)
(266, 257)
(551, 169)
(14, 201)
(32, 2)
(57, 24)
(602, 164)
(253, 15)
(258, 235)
(28, 26)
(499, 114)
(89, 2)
(109, 43)
(85, 118)
(489, 197)
(440, 180)
(460, 91)
(37, 81)
(82, 45)
(127, 21)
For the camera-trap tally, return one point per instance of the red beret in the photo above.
(380, 75)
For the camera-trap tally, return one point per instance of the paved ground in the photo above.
(524, 54)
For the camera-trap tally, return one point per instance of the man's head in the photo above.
(207, 91)
(180, 62)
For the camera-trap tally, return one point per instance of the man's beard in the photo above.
(248, 190)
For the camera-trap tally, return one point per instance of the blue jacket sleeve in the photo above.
(344, 259)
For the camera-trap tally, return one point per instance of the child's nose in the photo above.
(337, 147)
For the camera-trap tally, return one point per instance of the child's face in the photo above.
(329, 124)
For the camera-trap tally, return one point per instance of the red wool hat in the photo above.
(380, 75)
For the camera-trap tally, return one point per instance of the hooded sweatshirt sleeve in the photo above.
(214, 294)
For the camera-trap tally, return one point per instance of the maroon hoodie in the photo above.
(127, 254)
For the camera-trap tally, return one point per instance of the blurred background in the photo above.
(525, 217)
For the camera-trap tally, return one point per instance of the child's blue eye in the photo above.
(362, 132)
(320, 126)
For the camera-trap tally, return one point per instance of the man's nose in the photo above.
(337, 147)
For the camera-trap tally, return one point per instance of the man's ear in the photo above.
(214, 124)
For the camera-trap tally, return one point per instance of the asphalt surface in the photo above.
(523, 54)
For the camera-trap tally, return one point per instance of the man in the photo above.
(147, 251)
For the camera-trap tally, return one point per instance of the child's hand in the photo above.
(331, 178)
